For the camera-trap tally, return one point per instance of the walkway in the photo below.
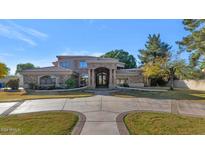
(101, 110)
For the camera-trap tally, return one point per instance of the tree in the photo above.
(13, 84)
(178, 69)
(21, 67)
(169, 70)
(4, 70)
(153, 69)
(154, 48)
(153, 56)
(194, 42)
(122, 56)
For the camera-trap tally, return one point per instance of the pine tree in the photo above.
(195, 41)
(152, 56)
(154, 48)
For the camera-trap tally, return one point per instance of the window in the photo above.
(83, 64)
(64, 64)
(83, 80)
(47, 80)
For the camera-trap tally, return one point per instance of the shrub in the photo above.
(13, 84)
(125, 84)
(71, 83)
(32, 86)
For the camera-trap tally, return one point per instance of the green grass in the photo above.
(148, 123)
(42, 123)
(19, 96)
(178, 94)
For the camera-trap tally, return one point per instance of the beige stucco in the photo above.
(190, 84)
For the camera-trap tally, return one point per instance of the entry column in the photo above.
(114, 78)
(89, 78)
(93, 78)
(110, 78)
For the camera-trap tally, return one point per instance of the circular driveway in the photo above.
(101, 111)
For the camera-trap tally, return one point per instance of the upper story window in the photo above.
(64, 64)
(83, 64)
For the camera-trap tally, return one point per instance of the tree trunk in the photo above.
(172, 72)
(147, 82)
(172, 83)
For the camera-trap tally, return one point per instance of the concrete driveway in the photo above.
(101, 111)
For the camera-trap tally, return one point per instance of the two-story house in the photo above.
(94, 72)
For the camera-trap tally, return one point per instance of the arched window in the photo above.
(47, 80)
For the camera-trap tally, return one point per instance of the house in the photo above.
(94, 72)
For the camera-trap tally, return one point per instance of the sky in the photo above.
(40, 41)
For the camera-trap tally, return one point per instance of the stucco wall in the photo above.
(190, 84)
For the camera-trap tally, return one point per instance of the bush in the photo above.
(32, 86)
(124, 85)
(158, 82)
(71, 83)
(13, 84)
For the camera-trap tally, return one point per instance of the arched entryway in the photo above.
(102, 77)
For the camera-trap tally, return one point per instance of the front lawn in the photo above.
(178, 94)
(18, 96)
(148, 123)
(42, 123)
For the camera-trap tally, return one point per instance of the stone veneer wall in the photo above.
(134, 78)
(62, 79)
(33, 79)
(30, 79)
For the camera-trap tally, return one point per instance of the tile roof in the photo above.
(49, 69)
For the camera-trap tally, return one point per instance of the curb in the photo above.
(81, 122)
(121, 125)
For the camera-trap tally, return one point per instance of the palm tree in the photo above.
(179, 69)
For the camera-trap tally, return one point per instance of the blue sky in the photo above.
(39, 41)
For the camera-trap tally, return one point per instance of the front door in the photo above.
(102, 80)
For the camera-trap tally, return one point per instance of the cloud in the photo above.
(81, 53)
(6, 55)
(96, 24)
(25, 34)
(29, 31)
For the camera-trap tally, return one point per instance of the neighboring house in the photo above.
(93, 72)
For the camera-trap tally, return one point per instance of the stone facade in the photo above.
(33, 77)
(132, 77)
(90, 71)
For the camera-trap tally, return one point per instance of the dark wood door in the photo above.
(102, 80)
